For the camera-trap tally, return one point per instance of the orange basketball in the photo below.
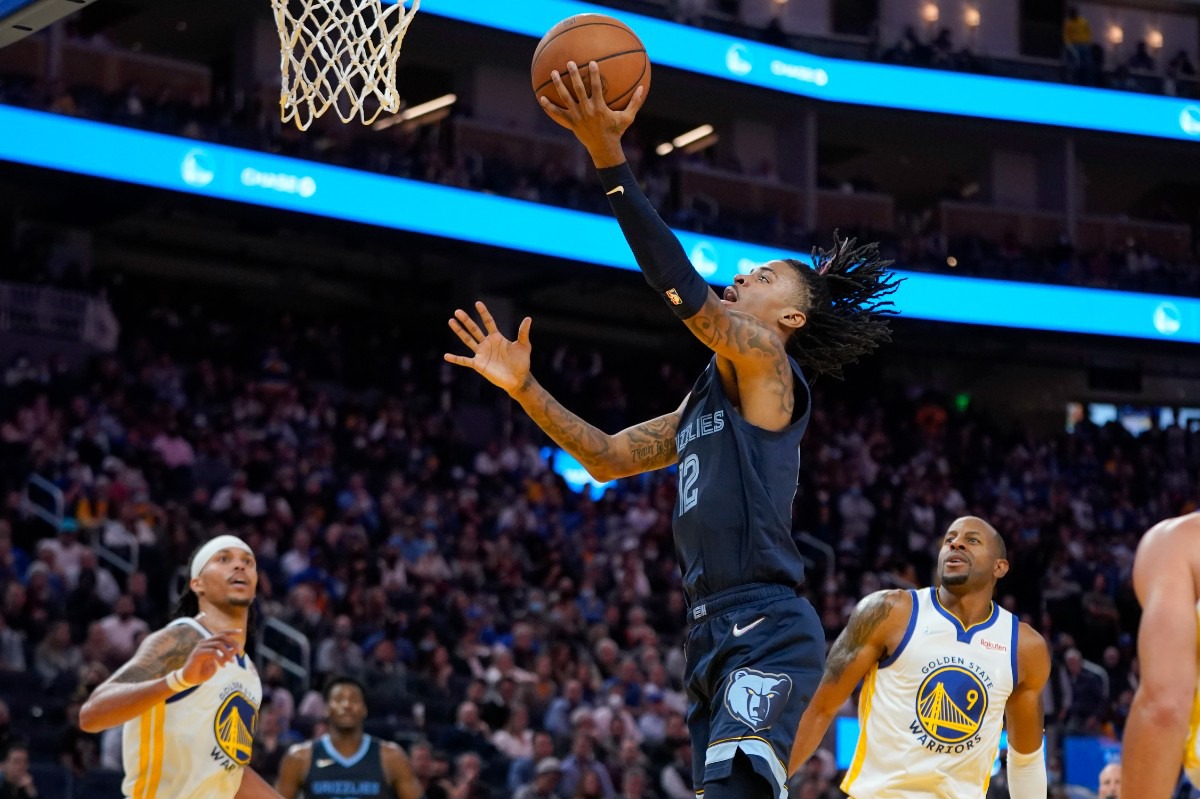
(583, 38)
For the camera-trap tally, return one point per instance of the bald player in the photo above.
(941, 670)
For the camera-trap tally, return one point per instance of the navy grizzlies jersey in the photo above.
(332, 776)
(733, 516)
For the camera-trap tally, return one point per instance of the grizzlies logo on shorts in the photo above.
(757, 699)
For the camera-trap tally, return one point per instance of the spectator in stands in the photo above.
(123, 630)
(15, 780)
(1180, 66)
(546, 778)
(1077, 41)
(515, 740)
(57, 660)
(675, 779)
(558, 716)
(469, 733)
(1085, 710)
(12, 648)
(468, 782)
(581, 761)
(340, 654)
(429, 771)
(1110, 781)
(1141, 59)
(523, 770)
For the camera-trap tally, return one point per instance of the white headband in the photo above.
(213, 547)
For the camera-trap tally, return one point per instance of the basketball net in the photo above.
(340, 54)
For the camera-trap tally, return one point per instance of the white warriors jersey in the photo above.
(931, 712)
(1191, 755)
(195, 744)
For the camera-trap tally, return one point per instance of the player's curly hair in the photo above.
(847, 310)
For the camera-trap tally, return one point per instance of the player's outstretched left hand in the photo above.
(598, 127)
(503, 362)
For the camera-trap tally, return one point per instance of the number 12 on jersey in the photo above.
(689, 473)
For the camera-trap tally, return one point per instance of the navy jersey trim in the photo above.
(767, 435)
(347, 762)
(182, 694)
(908, 632)
(1016, 640)
(965, 634)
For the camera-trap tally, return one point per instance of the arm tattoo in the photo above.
(746, 342)
(652, 443)
(647, 446)
(863, 622)
(737, 336)
(166, 651)
(587, 443)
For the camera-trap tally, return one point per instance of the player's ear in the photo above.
(1001, 568)
(793, 318)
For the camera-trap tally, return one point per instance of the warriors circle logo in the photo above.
(756, 699)
(951, 704)
(234, 727)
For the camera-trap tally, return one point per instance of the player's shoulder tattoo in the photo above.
(160, 654)
(870, 614)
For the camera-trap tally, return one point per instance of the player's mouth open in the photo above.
(730, 294)
(956, 559)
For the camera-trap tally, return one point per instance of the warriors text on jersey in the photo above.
(733, 517)
(932, 711)
(331, 776)
(195, 745)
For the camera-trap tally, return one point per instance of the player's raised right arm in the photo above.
(641, 448)
(142, 683)
(874, 628)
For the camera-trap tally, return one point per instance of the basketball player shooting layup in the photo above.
(1163, 732)
(941, 667)
(755, 648)
(189, 698)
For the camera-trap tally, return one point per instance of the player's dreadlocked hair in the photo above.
(847, 312)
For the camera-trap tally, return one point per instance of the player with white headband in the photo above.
(189, 698)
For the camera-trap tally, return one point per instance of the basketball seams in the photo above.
(543, 45)
(633, 88)
(601, 60)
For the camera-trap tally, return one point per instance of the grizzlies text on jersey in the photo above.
(733, 516)
(332, 776)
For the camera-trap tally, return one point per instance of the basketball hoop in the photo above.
(340, 54)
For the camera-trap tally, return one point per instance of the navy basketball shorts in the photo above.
(755, 655)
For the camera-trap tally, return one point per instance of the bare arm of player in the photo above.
(399, 774)
(254, 787)
(1024, 714)
(293, 770)
(1157, 730)
(641, 448)
(1025, 717)
(875, 628)
(140, 684)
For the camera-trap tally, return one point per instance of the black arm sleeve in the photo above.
(658, 252)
